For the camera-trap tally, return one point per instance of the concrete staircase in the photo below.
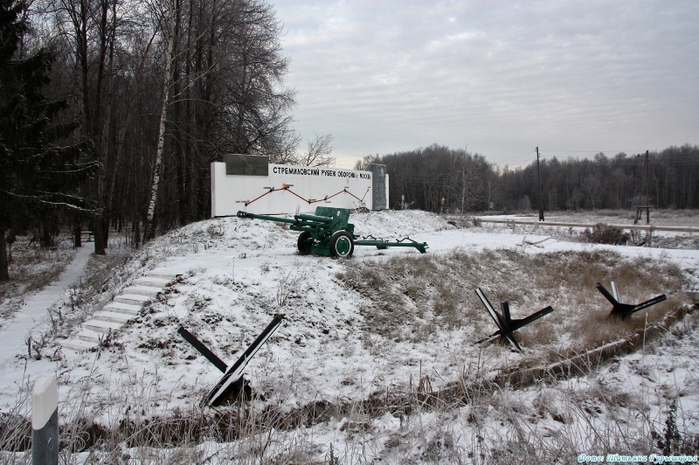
(122, 309)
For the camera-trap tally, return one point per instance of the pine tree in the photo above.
(40, 172)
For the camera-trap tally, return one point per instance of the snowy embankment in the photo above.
(237, 273)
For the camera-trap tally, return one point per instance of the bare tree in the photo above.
(161, 96)
(288, 154)
(593, 187)
(363, 164)
(319, 152)
(174, 19)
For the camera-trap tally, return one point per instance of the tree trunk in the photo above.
(98, 235)
(4, 264)
(137, 233)
(149, 229)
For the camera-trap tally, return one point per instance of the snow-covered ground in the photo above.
(25, 328)
(238, 273)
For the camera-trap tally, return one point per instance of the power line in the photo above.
(593, 151)
(519, 156)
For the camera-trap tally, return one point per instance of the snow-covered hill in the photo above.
(237, 273)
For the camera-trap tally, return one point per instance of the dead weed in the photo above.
(411, 297)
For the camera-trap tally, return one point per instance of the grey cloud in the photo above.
(500, 78)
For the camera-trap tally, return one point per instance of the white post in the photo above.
(45, 421)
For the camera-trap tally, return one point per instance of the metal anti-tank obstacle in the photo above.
(232, 381)
(624, 311)
(504, 321)
(328, 232)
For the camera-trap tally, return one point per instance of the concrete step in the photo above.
(162, 275)
(90, 336)
(115, 314)
(143, 290)
(115, 317)
(133, 299)
(152, 281)
(77, 345)
(100, 326)
(119, 307)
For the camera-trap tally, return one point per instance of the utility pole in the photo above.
(647, 195)
(646, 207)
(538, 175)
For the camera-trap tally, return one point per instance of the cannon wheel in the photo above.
(304, 243)
(341, 244)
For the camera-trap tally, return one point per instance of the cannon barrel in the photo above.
(242, 214)
(316, 218)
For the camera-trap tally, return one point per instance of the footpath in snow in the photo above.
(27, 321)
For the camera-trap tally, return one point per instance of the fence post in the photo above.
(45, 421)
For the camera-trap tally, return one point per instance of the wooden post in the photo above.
(45, 421)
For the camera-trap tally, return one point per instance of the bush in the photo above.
(605, 234)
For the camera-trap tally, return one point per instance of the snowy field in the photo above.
(237, 273)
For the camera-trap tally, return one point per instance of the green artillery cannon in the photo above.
(328, 232)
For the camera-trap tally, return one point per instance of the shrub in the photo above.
(605, 234)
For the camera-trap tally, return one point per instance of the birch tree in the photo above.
(174, 21)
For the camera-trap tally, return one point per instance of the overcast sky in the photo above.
(496, 78)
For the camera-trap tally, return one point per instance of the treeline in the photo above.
(135, 98)
(162, 88)
(437, 179)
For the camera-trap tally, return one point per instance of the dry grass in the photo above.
(242, 433)
(596, 421)
(438, 290)
(479, 424)
(412, 296)
(15, 428)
